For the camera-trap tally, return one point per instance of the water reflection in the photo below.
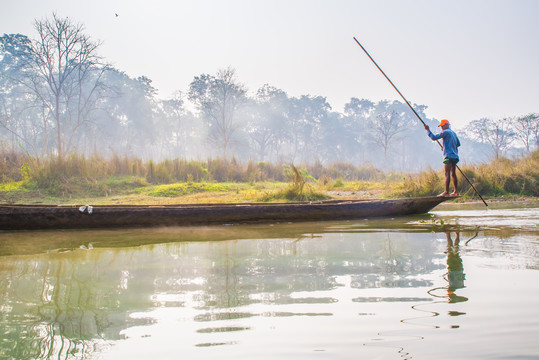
(78, 302)
(455, 269)
(454, 278)
(68, 303)
(59, 306)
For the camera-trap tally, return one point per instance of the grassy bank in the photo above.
(136, 191)
(123, 180)
(79, 179)
(501, 178)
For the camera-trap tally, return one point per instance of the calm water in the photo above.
(462, 284)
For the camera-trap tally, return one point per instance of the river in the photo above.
(460, 283)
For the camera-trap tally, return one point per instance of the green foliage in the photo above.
(25, 171)
(180, 189)
(338, 183)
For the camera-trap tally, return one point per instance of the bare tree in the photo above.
(219, 98)
(67, 77)
(496, 133)
(527, 130)
(386, 125)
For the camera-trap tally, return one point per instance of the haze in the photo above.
(463, 59)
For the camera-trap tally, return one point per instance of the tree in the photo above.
(495, 133)
(359, 109)
(266, 117)
(358, 112)
(306, 115)
(219, 99)
(129, 111)
(338, 138)
(385, 125)
(176, 125)
(18, 112)
(527, 130)
(66, 77)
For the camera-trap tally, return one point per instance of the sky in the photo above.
(463, 59)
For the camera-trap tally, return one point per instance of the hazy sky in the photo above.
(464, 59)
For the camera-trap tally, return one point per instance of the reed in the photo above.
(13, 165)
(298, 188)
(100, 176)
(503, 177)
(50, 171)
(346, 172)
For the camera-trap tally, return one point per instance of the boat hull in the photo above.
(28, 217)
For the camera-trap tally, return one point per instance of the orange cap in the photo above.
(443, 122)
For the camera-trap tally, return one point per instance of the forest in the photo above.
(59, 97)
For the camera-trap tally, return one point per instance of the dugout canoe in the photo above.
(31, 217)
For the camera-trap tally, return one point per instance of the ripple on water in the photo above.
(525, 219)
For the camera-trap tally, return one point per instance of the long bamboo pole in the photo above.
(416, 114)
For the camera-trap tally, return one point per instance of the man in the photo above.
(451, 155)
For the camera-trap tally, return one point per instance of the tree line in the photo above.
(59, 96)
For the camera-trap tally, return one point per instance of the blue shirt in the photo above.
(450, 143)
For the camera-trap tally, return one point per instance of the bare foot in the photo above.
(445, 193)
(454, 193)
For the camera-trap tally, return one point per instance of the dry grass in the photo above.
(505, 177)
(77, 179)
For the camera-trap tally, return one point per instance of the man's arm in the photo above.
(431, 135)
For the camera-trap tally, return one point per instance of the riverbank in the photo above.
(95, 180)
(130, 191)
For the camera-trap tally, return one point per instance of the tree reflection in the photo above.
(60, 306)
(65, 304)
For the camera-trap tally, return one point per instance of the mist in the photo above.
(75, 102)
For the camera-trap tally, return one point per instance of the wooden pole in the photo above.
(416, 114)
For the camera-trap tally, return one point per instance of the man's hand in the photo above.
(427, 127)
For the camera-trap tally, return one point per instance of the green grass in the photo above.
(12, 186)
(181, 189)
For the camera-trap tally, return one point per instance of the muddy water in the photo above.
(461, 283)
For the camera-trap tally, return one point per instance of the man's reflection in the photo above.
(455, 269)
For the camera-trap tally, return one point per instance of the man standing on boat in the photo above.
(451, 154)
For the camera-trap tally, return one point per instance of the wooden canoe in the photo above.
(28, 217)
